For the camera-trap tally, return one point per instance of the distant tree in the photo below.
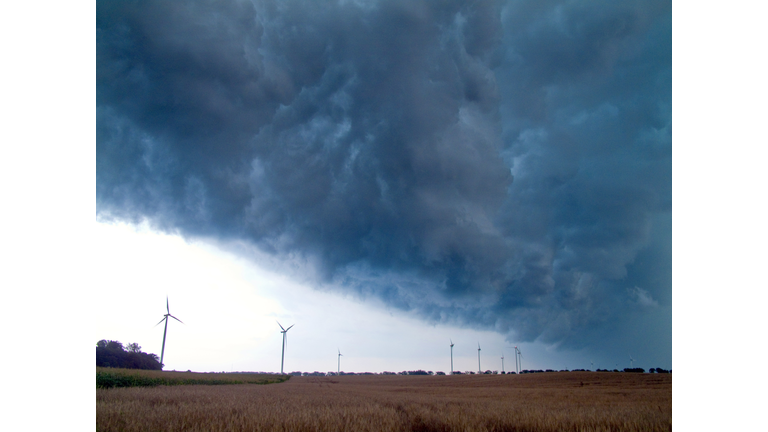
(112, 354)
(133, 347)
(115, 345)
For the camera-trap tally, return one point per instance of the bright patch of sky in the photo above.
(230, 306)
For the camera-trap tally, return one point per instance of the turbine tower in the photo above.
(479, 369)
(451, 356)
(338, 370)
(284, 331)
(165, 318)
(517, 368)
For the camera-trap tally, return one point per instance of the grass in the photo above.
(567, 401)
(116, 377)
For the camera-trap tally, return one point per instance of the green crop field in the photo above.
(560, 401)
(115, 377)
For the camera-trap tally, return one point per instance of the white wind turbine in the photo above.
(165, 318)
(284, 331)
(517, 367)
(631, 361)
(502, 362)
(479, 369)
(338, 370)
(451, 356)
(518, 359)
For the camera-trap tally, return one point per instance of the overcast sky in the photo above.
(56, 299)
(387, 175)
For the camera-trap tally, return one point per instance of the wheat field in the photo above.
(559, 401)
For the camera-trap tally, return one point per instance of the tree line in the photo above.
(111, 353)
(488, 372)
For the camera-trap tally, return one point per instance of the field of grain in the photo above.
(559, 401)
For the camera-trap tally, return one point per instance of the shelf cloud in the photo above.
(498, 165)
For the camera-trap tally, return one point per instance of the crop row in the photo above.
(114, 377)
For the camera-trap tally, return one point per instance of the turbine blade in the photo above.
(290, 327)
(167, 308)
(160, 322)
(281, 326)
(175, 318)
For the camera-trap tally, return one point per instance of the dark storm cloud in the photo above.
(498, 164)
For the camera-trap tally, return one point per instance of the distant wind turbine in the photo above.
(479, 369)
(518, 359)
(165, 318)
(451, 356)
(284, 331)
(502, 362)
(338, 370)
(517, 367)
(592, 364)
(631, 361)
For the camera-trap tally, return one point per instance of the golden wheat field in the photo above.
(555, 401)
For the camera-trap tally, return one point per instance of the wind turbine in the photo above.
(592, 364)
(520, 361)
(517, 367)
(165, 318)
(502, 362)
(451, 356)
(631, 360)
(338, 370)
(479, 369)
(285, 330)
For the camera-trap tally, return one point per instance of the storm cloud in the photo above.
(502, 165)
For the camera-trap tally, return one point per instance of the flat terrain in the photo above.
(118, 377)
(555, 401)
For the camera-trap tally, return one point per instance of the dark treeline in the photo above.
(488, 372)
(112, 354)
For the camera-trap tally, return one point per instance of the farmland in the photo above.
(116, 377)
(560, 401)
